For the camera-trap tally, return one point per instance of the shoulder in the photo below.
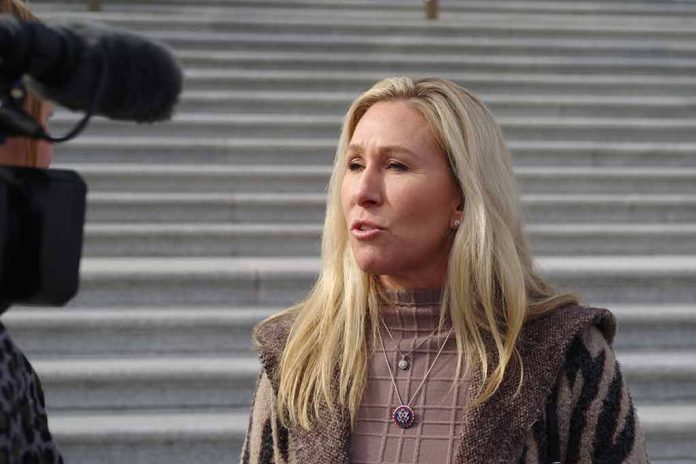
(16, 374)
(548, 341)
(564, 323)
(569, 341)
(590, 355)
(270, 337)
(22, 408)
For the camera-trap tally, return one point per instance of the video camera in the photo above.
(83, 67)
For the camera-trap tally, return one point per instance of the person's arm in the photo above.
(24, 152)
(266, 441)
(591, 415)
(24, 433)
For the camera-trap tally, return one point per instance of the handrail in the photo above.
(94, 5)
(432, 9)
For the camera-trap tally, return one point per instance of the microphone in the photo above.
(92, 67)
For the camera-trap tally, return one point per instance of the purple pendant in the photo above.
(403, 416)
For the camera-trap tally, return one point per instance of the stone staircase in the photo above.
(201, 227)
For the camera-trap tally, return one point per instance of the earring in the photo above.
(456, 223)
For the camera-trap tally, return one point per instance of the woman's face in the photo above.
(399, 198)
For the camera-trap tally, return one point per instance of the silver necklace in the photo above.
(403, 362)
(403, 416)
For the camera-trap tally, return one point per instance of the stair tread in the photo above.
(137, 427)
(311, 264)
(491, 20)
(322, 170)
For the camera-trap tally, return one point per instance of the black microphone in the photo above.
(131, 77)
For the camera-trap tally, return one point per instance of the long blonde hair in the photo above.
(491, 288)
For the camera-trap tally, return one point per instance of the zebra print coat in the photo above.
(574, 406)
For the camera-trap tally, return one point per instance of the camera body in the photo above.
(42, 215)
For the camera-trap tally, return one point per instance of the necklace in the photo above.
(403, 362)
(403, 416)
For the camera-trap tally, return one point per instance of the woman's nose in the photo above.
(369, 187)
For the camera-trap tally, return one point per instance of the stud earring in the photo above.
(456, 223)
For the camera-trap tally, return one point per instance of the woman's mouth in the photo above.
(365, 230)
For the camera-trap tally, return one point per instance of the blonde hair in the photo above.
(35, 107)
(491, 287)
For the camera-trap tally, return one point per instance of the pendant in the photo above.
(403, 416)
(403, 364)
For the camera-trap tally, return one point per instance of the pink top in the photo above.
(438, 409)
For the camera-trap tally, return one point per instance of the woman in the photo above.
(429, 336)
(24, 432)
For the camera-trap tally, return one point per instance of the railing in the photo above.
(432, 9)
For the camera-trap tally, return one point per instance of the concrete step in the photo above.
(195, 239)
(165, 282)
(576, 8)
(225, 330)
(176, 383)
(130, 331)
(549, 208)
(163, 382)
(337, 103)
(480, 83)
(204, 207)
(152, 437)
(140, 177)
(312, 151)
(656, 328)
(267, 240)
(388, 22)
(670, 432)
(664, 377)
(435, 62)
(222, 382)
(623, 279)
(447, 7)
(144, 383)
(608, 238)
(179, 438)
(585, 5)
(207, 438)
(460, 28)
(473, 45)
(326, 126)
(308, 208)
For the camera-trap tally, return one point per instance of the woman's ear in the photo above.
(460, 207)
(457, 217)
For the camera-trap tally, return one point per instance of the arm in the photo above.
(591, 417)
(24, 433)
(266, 441)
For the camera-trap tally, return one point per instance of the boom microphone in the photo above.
(91, 67)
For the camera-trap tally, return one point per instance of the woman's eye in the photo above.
(397, 166)
(354, 166)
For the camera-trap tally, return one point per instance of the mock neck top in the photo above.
(411, 319)
(415, 297)
(412, 310)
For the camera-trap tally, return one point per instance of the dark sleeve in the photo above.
(24, 433)
(591, 413)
